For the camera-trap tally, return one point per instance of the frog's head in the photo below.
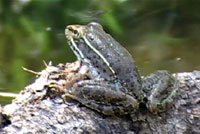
(75, 31)
(91, 45)
(89, 33)
(88, 42)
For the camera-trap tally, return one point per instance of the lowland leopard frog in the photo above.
(115, 86)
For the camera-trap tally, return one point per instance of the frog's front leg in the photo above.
(103, 97)
(161, 88)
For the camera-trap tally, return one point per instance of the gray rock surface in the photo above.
(41, 109)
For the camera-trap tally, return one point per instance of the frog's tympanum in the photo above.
(115, 86)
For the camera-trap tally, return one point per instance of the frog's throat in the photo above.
(75, 49)
(100, 55)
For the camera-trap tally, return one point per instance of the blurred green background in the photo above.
(160, 34)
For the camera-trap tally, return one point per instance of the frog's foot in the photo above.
(103, 97)
(161, 88)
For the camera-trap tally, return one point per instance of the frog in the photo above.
(115, 85)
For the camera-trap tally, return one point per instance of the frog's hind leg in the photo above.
(103, 97)
(161, 89)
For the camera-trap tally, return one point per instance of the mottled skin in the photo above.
(115, 86)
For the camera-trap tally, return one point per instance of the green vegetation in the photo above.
(163, 34)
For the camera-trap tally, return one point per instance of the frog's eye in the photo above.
(72, 30)
(95, 24)
(90, 37)
(75, 31)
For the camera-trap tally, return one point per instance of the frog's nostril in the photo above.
(69, 28)
(72, 29)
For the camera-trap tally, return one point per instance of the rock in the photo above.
(40, 108)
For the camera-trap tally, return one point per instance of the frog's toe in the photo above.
(163, 93)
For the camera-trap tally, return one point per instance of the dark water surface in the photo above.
(159, 34)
